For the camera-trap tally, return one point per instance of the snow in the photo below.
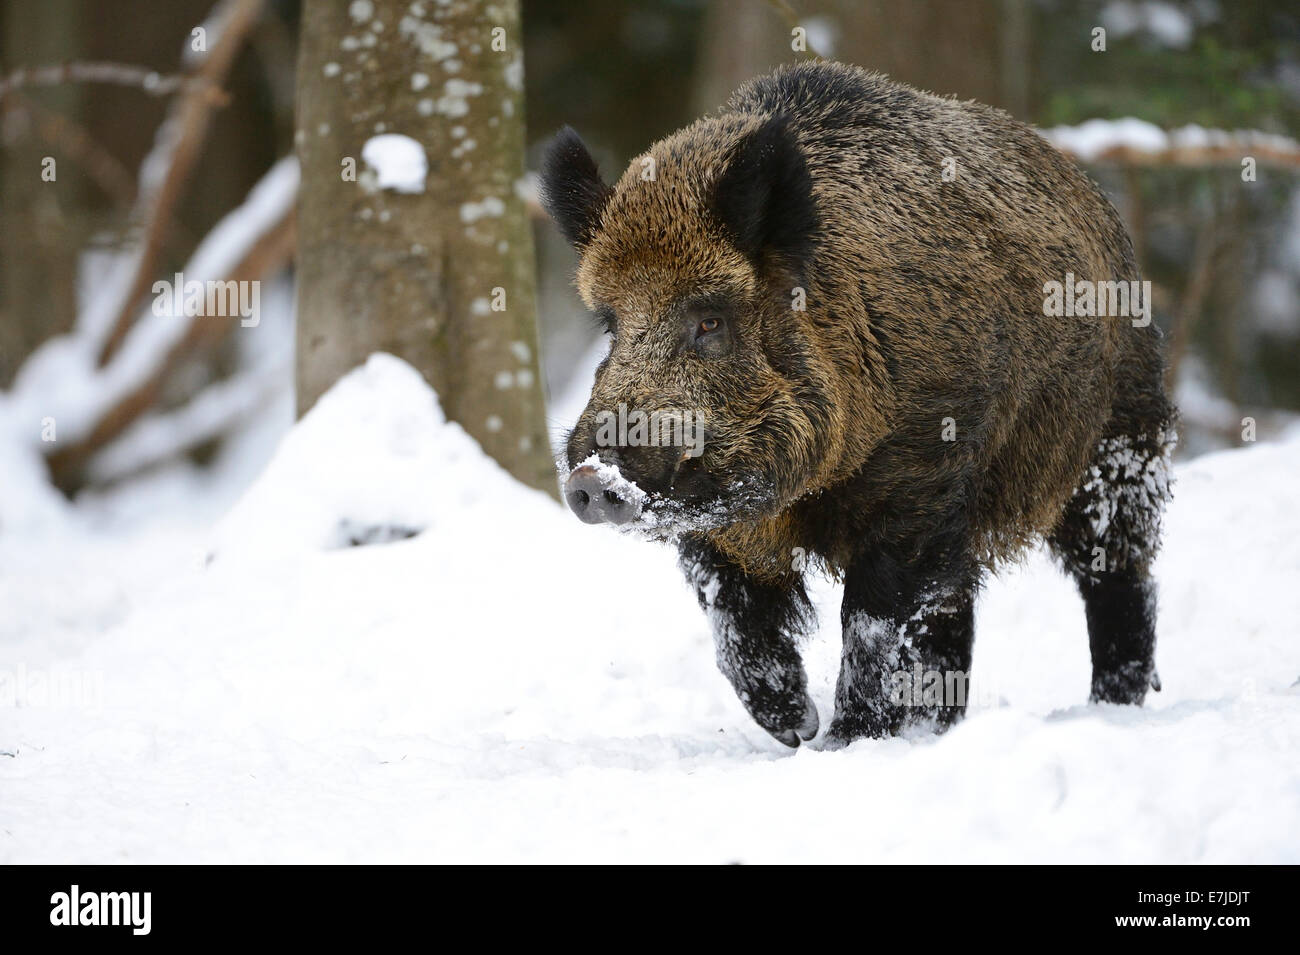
(361, 10)
(490, 207)
(1164, 22)
(62, 380)
(454, 101)
(426, 37)
(262, 388)
(823, 35)
(399, 162)
(611, 479)
(1094, 138)
(510, 684)
(401, 472)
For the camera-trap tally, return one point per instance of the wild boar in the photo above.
(847, 286)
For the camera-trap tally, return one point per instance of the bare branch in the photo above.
(272, 251)
(215, 411)
(192, 116)
(114, 74)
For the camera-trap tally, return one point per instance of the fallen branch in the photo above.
(251, 242)
(274, 251)
(216, 411)
(1135, 142)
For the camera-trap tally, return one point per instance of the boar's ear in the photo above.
(572, 190)
(764, 196)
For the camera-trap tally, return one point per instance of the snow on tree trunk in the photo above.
(413, 237)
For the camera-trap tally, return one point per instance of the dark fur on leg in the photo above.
(1106, 540)
(901, 620)
(1121, 635)
(755, 625)
(945, 637)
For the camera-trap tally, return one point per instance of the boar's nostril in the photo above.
(584, 493)
(582, 485)
(618, 510)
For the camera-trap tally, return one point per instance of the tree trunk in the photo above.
(44, 226)
(443, 277)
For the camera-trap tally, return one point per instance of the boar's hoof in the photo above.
(594, 501)
(806, 729)
(789, 737)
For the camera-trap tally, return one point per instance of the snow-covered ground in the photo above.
(509, 684)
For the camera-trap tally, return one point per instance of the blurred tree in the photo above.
(621, 72)
(1218, 248)
(738, 40)
(440, 270)
(43, 218)
(951, 47)
(99, 134)
(974, 50)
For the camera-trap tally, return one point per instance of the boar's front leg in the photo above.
(908, 637)
(755, 625)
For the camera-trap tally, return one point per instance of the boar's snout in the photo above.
(595, 501)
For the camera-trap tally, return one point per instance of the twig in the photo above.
(193, 115)
(271, 252)
(213, 412)
(62, 133)
(791, 18)
(103, 168)
(115, 74)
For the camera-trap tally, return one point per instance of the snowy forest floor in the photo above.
(512, 685)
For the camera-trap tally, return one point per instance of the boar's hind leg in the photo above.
(1106, 540)
(755, 625)
(907, 651)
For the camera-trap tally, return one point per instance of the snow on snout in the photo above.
(612, 479)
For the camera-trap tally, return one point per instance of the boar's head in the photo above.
(714, 403)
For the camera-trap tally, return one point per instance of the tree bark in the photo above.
(44, 226)
(444, 277)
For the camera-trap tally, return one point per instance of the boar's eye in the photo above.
(710, 334)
